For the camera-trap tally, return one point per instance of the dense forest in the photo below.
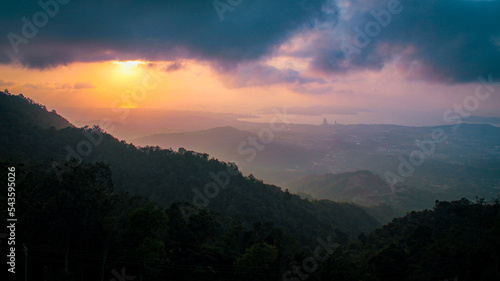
(92, 207)
(82, 229)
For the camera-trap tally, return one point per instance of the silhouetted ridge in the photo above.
(18, 110)
(167, 176)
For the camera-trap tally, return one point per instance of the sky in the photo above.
(402, 62)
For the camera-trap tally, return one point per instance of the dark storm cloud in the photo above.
(255, 74)
(174, 66)
(452, 41)
(4, 58)
(94, 30)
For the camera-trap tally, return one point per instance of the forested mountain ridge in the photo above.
(116, 231)
(431, 182)
(232, 144)
(457, 240)
(20, 110)
(166, 177)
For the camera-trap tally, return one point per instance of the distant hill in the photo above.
(361, 187)
(204, 140)
(432, 181)
(302, 150)
(231, 144)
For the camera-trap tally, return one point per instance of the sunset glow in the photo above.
(318, 65)
(127, 69)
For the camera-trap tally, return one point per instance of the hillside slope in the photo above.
(20, 110)
(231, 144)
(361, 187)
(166, 176)
(457, 240)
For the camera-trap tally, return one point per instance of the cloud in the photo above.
(451, 41)
(5, 83)
(318, 110)
(5, 58)
(153, 30)
(58, 86)
(257, 74)
(64, 86)
(174, 66)
(83, 85)
(446, 41)
(39, 86)
(312, 89)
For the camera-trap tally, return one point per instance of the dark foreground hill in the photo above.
(455, 241)
(81, 229)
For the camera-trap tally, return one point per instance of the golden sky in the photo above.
(196, 86)
(358, 61)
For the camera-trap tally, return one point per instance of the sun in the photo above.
(127, 69)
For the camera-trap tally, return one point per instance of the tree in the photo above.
(258, 263)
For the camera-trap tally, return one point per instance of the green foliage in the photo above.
(258, 263)
(456, 239)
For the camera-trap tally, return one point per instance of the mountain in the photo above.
(206, 140)
(457, 240)
(20, 110)
(303, 150)
(231, 144)
(167, 177)
(432, 181)
(360, 187)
